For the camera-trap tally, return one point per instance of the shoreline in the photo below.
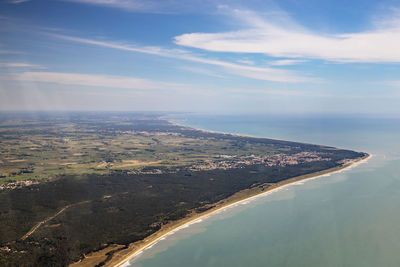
(123, 256)
(176, 123)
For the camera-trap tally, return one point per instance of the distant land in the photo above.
(93, 188)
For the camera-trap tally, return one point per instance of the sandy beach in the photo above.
(121, 257)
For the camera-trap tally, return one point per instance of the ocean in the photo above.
(349, 218)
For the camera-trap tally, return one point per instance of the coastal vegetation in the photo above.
(76, 183)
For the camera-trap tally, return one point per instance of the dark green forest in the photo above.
(120, 207)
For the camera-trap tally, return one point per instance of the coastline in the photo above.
(123, 256)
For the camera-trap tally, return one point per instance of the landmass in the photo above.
(93, 189)
(134, 249)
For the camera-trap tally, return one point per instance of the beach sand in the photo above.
(121, 257)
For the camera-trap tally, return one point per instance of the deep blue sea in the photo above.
(351, 218)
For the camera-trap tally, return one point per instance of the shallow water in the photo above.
(349, 218)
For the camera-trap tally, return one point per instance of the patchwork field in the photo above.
(76, 183)
(34, 150)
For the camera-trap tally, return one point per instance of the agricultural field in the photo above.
(76, 183)
(36, 150)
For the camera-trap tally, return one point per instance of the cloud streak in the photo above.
(18, 1)
(153, 6)
(20, 65)
(286, 62)
(107, 81)
(290, 40)
(260, 73)
(133, 5)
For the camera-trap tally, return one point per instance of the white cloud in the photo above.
(154, 6)
(202, 71)
(96, 80)
(291, 40)
(124, 4)
(20, 65)
(395, 83)
(246, 61)
(18, 1)
(260, 73)
(286, 62)
(9, 52)
(279, 92)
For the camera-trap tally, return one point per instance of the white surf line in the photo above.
(125, 261)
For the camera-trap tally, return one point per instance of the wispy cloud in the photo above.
(286, 62)
(18, 1)
(279, 92)
(394, 83)
(260, 73)
(201, 71)
(2, 51)
(246, 61)
(291, 40)
(107, 81)
(20, 65)
(153, 6)
(134, 5)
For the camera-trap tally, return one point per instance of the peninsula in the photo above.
(93, 189)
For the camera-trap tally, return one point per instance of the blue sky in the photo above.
(288, 56)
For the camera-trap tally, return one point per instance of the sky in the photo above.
(209, 56)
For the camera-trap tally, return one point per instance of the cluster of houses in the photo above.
(230, 162)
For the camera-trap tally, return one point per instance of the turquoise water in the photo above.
(350, 218)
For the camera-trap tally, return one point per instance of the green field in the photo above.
(31, 150)
(36, 149)
(75, 183)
